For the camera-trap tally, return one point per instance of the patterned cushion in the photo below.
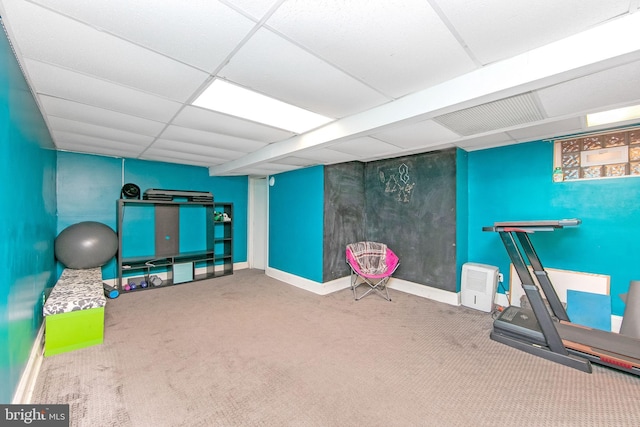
(76, 290)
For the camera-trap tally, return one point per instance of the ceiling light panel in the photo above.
(518, 27)
(504, 113)
(298, 77)
(199, 33)
(211, 121)
(378, 51)
(614, 116)
(61, 83)
(237, 101)
(68, 43)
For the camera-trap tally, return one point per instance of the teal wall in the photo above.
(514, 183)
(28, 218)
(89, 185)
(296, 227)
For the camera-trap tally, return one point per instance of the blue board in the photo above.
(589, 309)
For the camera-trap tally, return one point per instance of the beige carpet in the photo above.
(248, 350)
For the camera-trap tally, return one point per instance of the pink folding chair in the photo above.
(372, 264)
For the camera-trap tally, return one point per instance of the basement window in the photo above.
(600, 155)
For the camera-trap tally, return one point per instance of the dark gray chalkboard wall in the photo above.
(411, 206)
(343, 215)
(409, 203)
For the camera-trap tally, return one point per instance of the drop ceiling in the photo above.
(117, 77)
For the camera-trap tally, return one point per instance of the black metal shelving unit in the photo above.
(214, 260)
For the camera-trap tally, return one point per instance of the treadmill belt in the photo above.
(597, 345)
(607, 343)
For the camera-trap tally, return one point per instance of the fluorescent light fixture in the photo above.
(612, 116)
(228, 98)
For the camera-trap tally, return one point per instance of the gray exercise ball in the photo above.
(87, 244)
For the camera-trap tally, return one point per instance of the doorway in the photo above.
(258, 221)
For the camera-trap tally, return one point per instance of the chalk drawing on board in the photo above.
(398, 185)
(404, 173)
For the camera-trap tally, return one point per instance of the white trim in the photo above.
(452, 298)
(616, 323)
(257, 212)
(24, 390)
(309, 285)
(440, 295)
(501, 299)
(240, 265)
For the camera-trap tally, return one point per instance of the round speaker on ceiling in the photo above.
(130, 191)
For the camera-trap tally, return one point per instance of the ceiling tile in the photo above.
(112, 151)
(211, 121)
(397, 46)
(364, 147)
(61, 83)
(273, 66)
(196, 149)
(89, 144)
(210, 139)
(326, 156)
(62, 108)
(180, 157)
(111, 76)
(546, 130)
(495, 30)
(200, 33)
(58, 124)
(422, 134)
(593, 93)
(255, 8)
(65, 42)
(487, 141)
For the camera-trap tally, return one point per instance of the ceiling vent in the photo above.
(504, 113)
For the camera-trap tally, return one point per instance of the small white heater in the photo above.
(478, 286)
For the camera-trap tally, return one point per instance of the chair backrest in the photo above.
(356, 254)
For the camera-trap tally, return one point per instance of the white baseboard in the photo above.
(309, 285)
(424, 291)
(440, 295)
(24, 390)
(240, 265)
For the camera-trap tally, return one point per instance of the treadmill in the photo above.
(547, 331)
